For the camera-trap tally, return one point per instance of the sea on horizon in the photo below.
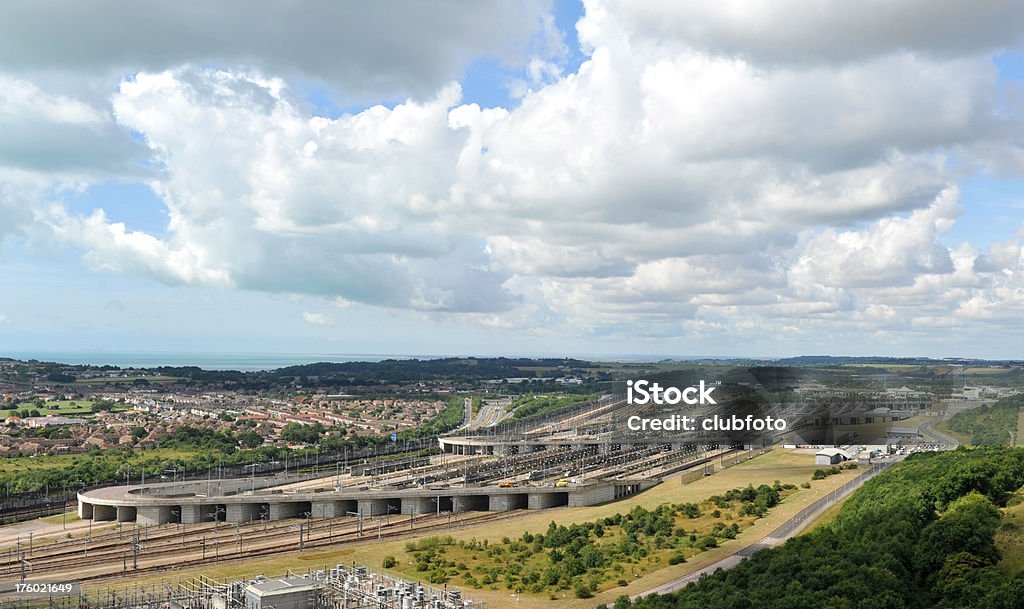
(243, 362)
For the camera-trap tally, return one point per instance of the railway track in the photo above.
(170, 539)
(167, 537)
(225, 544)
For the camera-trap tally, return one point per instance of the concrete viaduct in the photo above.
(186, 503)
(524, 445)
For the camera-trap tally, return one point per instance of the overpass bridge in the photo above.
(504, 445)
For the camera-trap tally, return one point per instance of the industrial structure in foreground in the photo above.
(341, 587)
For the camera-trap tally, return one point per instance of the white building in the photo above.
(830, 456)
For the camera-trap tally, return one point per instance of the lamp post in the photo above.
(174, 477)
(359, 526)
(181, 525)
(215, 514)
(88, 537)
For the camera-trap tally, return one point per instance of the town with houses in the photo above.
(137, 409)
(106, 415)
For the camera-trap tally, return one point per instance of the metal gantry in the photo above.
(341, 587)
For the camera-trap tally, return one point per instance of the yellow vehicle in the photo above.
(506, 484)
(562, 484)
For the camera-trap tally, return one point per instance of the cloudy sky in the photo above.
(720, 177)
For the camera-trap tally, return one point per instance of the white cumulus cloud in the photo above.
(711, 168)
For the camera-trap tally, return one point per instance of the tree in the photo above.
(102, 405)
(250, 439)
(305, 434)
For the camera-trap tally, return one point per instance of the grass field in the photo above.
(961, 438)
(60, 407)
(787, 466)
(70, 517)
(884, 366)
(1010, 537)
(24, 464)
(514, 564)
(972, 371)
(986, 370)
(918, 420)
(827, 516)
(1020, 428)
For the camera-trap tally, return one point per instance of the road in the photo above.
(937, 436)
(490, 414)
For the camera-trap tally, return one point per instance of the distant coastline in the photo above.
(254, 362)
(242, 362)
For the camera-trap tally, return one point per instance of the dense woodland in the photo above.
(918, 536)
(993, 424)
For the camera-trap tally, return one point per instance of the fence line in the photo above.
(802, 518)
